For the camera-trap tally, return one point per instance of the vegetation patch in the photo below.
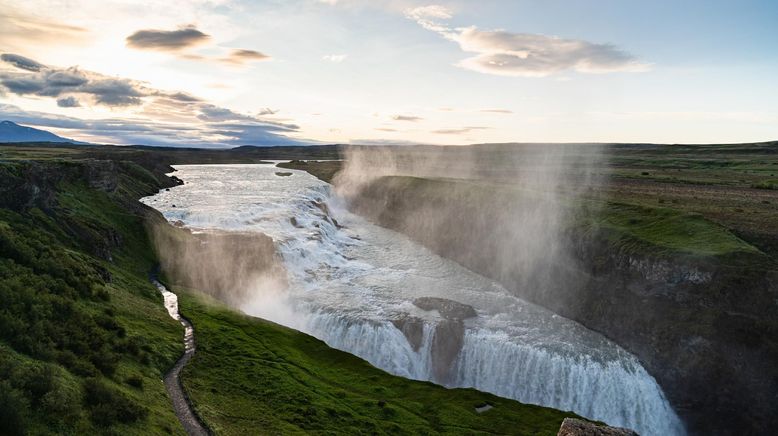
(668, 231)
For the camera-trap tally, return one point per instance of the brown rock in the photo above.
(577, 427)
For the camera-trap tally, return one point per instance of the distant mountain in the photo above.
(12, 132)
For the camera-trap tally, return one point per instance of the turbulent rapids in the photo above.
(375, 293)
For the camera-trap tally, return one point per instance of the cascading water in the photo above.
(375, 293)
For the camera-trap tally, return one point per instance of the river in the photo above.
(353, 284)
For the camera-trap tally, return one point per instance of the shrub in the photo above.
(135, 381)
(108, 406)
(12, 410)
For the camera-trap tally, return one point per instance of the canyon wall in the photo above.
(704, 326)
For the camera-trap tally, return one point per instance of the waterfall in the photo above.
(354, 284)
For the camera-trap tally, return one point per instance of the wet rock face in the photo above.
(577, 427)
(446, 345)
(412, 328)
(447, 338)
(449, 309)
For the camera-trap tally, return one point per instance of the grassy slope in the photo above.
(252, 376)
(50, 279)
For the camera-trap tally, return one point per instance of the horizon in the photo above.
(229, 73)
(215, 147)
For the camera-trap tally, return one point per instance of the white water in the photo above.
(170, 300)
(347, 285)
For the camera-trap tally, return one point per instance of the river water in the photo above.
(353, 285)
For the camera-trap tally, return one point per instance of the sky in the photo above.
(223, 73)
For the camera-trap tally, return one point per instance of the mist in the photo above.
(505, 211)
(233, 267)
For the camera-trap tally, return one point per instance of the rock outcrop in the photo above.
(413, 329)
(448, 309)
(577, 427)
(447, 338)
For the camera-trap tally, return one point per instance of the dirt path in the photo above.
(181, 405)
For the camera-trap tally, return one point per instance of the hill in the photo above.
(12, 132)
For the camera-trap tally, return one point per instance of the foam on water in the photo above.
(351, 281)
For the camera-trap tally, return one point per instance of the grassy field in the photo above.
(251, 376)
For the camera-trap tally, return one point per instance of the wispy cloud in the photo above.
(458, 131)
(17, 29)
(506, 53)
(496, 111)
(335, 58)
(410, 118)
(242, 56)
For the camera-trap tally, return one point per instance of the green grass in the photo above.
(667, 231)
(251, 376)
(766, 184)
(84, 340)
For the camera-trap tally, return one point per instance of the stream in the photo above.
(181, 405)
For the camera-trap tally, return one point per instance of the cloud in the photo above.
(496, 111)
(430, 12)
(68, 102)
(21, 62)
(506, 53)
(179, 118)
(267, 111)
(386, 129)
(458, 131)
(180, 41)
(241, 56)
(114, 92)
(43, 81)
(166, 40)
(209, 112)
(410, 118)
(335, 58)
(182, 96)
(148, 132)
(19, 29)
(427, 17)
(383, 141)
